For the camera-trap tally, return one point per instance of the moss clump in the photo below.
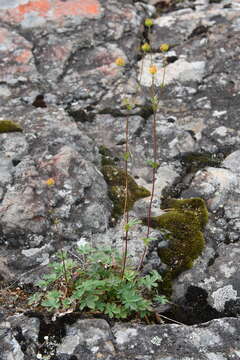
(9, 126)
(184, 221)
(116, 180)
(197, 205)
(107, 157)
(196, 161)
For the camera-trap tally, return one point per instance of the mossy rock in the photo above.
(9, 126)
(116, 180)
(184, 221)
(196, 161)
(107, 156)
(197, 205)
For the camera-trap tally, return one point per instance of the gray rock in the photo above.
(59, 81)
(89, 338)
(217, 275)
(10, 348)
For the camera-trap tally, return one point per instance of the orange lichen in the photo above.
(40, 6)
(77, 8)
(55, 9)
(24, 56)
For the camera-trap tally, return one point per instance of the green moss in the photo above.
(196, 161)
(9, 126)
(107, 156)
(195, 204)
(184, 223)
(116, 181)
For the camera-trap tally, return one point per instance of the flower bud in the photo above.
(146, 47)
(164, 47)
(50, 182)
(148, 22)
(120, 61)
(152, 69)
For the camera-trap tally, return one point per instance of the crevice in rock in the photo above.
(191, 163)
(81, 115)
(199, 30)
(15, 162)
(212, 260)
(39, 101)
(50, 333)
(194, 309)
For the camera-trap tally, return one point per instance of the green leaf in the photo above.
(126, 156)
(153, 164)
(42, 284)
(67, 302)
(52, 300)
(161, 299)
(150, 281)
(147, 240)
(35, 299)
(126, 102)
(131, 224)
(62, 255)
(85, 249)
(116, 311)
(99, 305)
(89, 302)
(130, 275)
(131, 300)
(50, 278)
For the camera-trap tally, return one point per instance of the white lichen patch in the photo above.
(181, 70)
(215, 356)
(203, 338)
(220, 131)
(124, 336)
(69, 344)
(165, 21)
(227, 270)
(33, 251)
(222, 295)
(218, 114)
(156, 340)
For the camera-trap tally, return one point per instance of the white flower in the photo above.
(156, 340)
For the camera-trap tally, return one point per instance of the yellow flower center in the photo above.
(120, 61)
(152, 69)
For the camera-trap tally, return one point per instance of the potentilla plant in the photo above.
(100, 280)
(94, 282)
(155, 93)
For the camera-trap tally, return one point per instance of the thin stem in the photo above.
(64, 268)
(126, 212)
(154, 134)
(164, 72)
(63, 260)
(153, 186)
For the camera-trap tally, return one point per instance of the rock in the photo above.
(88, 339)
(219, 279)
(181, 70)
(60, 84)
(10, 348)
(162, 342)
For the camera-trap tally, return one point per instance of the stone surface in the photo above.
(92, 339)
(60, 83)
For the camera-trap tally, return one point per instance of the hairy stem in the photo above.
(155, 105)
(126, 212)
(149, 211)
